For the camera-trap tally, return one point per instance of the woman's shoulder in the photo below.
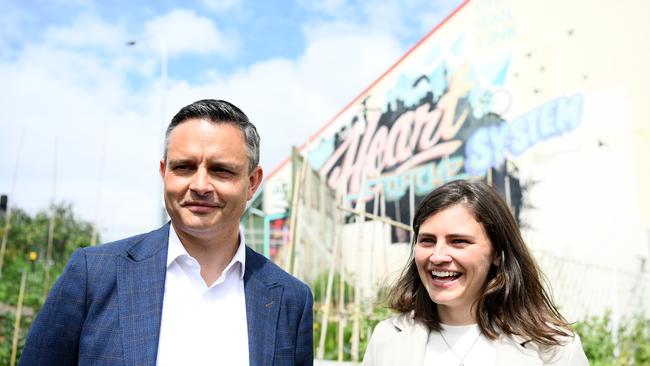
(397, 323)
(392, 337)
(568, 351)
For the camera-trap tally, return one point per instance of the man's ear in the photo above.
(161, 168)
(254, 181)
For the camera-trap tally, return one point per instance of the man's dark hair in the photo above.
(220, 111)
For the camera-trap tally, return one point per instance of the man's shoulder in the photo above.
(124, 245)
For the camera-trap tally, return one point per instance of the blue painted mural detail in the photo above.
(319, 155)
(489, 146)
(424, 178)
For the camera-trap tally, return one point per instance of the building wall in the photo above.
(547, 100)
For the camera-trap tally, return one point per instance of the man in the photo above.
(191, 292)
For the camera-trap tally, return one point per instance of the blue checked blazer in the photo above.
(106, 307)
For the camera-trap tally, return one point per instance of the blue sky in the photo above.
(91, 109)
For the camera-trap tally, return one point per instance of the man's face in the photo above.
(206, 178)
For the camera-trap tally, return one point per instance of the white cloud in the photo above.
(400, 18)
(74, 87)
(87, 32)
(289, 100)
(183, 31)
(61, 93)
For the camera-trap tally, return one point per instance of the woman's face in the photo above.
(453, 255)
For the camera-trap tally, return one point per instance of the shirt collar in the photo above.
(176, 249)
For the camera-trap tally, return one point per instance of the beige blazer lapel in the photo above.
(511, 352)
(397, 341)
(410, 342)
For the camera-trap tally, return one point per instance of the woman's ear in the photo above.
(498, 259)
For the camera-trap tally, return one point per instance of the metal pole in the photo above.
(50, 228)
(93, 238)
(163, 122)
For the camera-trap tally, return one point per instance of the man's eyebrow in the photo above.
(180, 161)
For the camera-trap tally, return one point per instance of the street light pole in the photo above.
(163, 123)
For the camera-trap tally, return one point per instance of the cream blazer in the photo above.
(401, 341)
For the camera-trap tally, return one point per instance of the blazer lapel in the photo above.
(412, 336)
(511, 352)
(263, 299)
(140, 288)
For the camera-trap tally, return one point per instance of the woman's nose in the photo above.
(440, 254)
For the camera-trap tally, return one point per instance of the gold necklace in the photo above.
(461, 359)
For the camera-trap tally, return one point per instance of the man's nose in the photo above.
(201, 182)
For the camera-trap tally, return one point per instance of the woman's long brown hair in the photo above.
(513, 300)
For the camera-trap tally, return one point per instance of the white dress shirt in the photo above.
(202, 325)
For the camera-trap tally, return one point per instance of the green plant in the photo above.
(26, 234)
(630, 345)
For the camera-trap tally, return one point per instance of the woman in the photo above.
(471, 293)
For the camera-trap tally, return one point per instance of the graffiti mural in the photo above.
(434, 128)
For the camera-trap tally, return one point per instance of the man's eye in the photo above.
(182, 168)
(222, 171)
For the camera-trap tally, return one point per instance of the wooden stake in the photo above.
(293, 223)
(341, 330)
(5, 232)
(48, 256)
(375, 211)
(302, 252)
(322, 231)
(411, 205)
(320, 354)
(506, 188)
(375, 217)
(489, 177)
(361, 207)
(383, 214)
(19, 309)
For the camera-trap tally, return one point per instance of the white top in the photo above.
(466, 340)
(202, 325)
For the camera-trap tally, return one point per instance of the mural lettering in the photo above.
(415, 137)
(424, 178)
(490, 145)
